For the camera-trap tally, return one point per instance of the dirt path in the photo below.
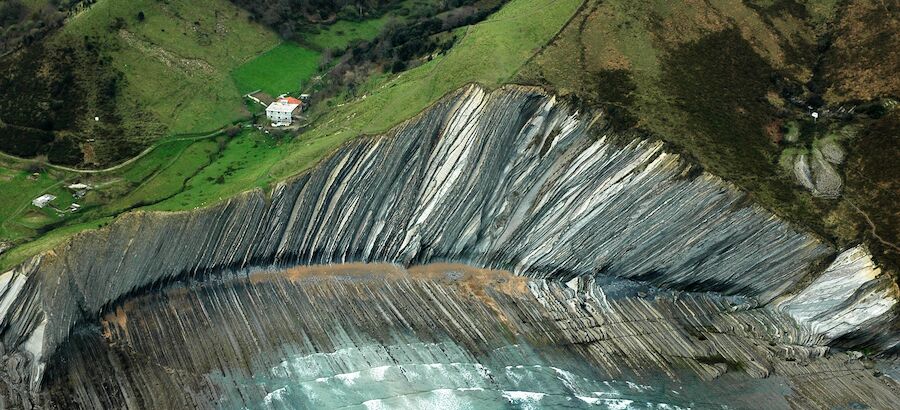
(122, 164)
(872, 227)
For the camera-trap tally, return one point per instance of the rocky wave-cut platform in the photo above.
(511, 180)
(378, 335)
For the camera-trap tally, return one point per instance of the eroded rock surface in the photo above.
(818, 174)
(507, 180)
(851, 295)
(828, 180)
(381, 336)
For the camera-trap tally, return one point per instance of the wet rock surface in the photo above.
(509, 180)
(384, 336)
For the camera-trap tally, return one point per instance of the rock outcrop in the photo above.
(819, 174)
(378, 335)
(851, 295)
(510, 180)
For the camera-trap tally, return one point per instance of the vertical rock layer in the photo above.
(376, 335)
(510, 179)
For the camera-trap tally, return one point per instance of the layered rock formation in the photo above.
(508, 180)
(376, 335)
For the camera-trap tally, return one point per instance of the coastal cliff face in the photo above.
(382, 336)
(510, 180)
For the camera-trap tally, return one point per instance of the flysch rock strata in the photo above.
(511, 179)
(851, 295)
(359, 335)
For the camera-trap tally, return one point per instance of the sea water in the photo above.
(446, 376)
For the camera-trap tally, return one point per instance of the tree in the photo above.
(35, 167)
(398, 66)
(140, 16)
(11, 12)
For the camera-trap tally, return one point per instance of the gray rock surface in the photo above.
(832, 152)
(816, 172)
(510, 180)
(828, 180)
(851, 292)
(378, 335)
(803, 173)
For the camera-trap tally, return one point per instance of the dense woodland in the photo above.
(290, 16)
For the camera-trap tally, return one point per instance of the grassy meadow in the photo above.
(17, 190)
(280, 70)
(177, 60)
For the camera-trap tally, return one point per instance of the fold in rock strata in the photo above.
(510, 180)
(345, 335)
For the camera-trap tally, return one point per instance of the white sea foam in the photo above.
(275, 395)
(567, 378)
(638, 387)
(378, 373)
(618, 404)
(588, 400)
(516, 396)
(375, 404)
(348, 378)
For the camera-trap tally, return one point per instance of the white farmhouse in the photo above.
(281, 112)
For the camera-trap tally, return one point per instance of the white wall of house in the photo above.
(280, 112)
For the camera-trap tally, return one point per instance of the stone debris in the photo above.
(832, 152)
(803, 173)
(828, 181)
(818, 175)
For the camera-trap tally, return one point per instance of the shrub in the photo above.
(398, 66)
(232, 131)
(35, 167)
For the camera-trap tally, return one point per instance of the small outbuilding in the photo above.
(42, 200)
(79, 190)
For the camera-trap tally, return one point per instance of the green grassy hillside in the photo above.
(731, 84)
(177, 59)
(189, 173)
(120, 75)
(283, 69)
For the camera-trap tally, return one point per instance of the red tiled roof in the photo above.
(290, 100)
